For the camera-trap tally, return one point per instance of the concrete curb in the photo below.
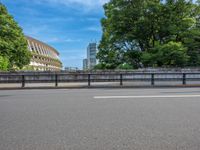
(101, 87)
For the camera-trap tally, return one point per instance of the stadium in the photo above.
(44, 57)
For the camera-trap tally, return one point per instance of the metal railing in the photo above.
(89, 78)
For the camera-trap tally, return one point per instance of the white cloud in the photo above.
(34, 31)
(90, 4)
(93, 29)
(59, 40)
(69, 40)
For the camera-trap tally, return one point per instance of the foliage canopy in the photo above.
(136, 32)
(13, 44)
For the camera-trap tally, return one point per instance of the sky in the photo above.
(67, 25)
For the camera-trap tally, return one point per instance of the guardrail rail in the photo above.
(89, 78)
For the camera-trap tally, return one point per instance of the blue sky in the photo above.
(67, 25)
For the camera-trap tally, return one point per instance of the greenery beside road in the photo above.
(150, 33)
(14, 53)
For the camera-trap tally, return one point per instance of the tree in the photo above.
(13, 44)
(192, 42)
(141, 26)
(148, 59)
(133, 58)
(3, 63)
(117, 36)
(172, 54)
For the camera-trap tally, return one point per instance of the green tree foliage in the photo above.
(133, 29)
(133, 58)
(13, 44)
(125, 66)
(3, 63)
(172, 54)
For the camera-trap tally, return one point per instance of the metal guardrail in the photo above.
(152, 78)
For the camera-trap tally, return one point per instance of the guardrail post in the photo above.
(121, 79)
(23, 81)
(152, 79)
(184, 79)
(89, 80)
(56, 80)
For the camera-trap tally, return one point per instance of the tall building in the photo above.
(91, 60)
(85, 64)
(91, 55)
(44, 57)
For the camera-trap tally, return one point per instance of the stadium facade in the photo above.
(44, 57)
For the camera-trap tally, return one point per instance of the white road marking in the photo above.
(150, 96)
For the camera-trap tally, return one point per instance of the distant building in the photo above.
(85, 64)
(91, 55)
(71, 69)
(91, 60)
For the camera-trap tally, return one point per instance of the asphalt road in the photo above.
(100, 119)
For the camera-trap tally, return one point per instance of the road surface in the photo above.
(100, 119)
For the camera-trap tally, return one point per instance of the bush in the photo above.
(125, 66)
